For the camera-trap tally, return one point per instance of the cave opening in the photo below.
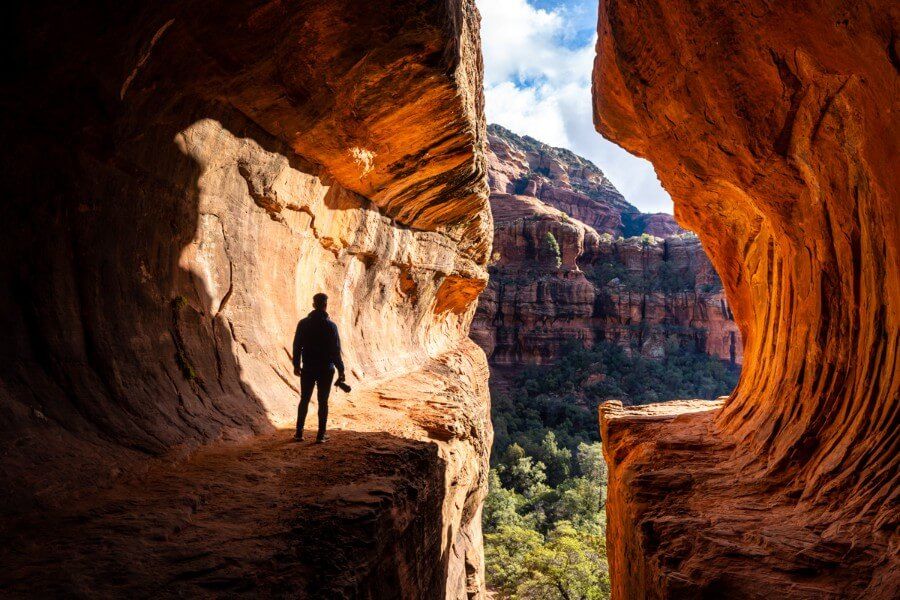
(773, 144)
(183, 177)
(596, 294)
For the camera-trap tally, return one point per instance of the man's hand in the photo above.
(341, 384)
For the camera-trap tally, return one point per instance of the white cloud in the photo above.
(537, 84)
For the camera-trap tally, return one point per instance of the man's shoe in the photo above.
(298, 437)
(322, 439)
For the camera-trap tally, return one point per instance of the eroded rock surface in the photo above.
(774, 127)
(389, 508)
(644, 294)
(182, 180)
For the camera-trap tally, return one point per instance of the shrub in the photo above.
(551, 249)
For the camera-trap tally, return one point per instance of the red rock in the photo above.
(532, 309)
(184, 176)
(774, 128)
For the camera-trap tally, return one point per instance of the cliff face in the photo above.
(774, 127)
(182, 180)
(643, 293)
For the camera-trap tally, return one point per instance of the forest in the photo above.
(543, 518)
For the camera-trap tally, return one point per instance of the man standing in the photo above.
(318, 345)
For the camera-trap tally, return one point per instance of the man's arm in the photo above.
(298, 348)
(336, 352)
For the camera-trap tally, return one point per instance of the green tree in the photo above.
(505, 553)
(591, 462)
(513, 453)
(525, 476)
(556, 459)
(550, 544)
(501, 506)
(580, 501)
(571, 565)
(551, 248)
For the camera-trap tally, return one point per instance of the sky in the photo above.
(538, 56)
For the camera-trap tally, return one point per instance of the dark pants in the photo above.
(321, 379)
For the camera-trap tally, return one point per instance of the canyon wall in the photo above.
(181, 180)
(644, 293)
(774, 127)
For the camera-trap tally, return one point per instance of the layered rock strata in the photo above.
(645, 293)
(182, 180)
(774, 127)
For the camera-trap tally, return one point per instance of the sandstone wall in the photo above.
(183, 178)
(642, 294)
(774, 127)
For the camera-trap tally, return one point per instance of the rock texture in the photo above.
(774, 127)
(642, 293)
(387, 509)
(182, 179)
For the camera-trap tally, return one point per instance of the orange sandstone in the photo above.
(183, 177)
(774, 127)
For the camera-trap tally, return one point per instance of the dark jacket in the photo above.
(317, 343)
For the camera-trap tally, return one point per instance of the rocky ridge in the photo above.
(573, 261)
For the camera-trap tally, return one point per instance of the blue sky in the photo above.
(538, 56)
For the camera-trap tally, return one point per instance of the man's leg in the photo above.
(307, 381)
(324, 389)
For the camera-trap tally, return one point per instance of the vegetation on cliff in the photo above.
(551, 249)
(573, 260)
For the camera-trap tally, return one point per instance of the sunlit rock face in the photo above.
(182, 180)
(644, 294)
(773, 126)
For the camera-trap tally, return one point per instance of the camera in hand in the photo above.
(342, 385)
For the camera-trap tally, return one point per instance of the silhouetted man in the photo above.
(318, 345)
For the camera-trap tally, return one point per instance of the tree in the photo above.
(547, 543)
(555, 458)
(505, 553)
(513, 453)
(570, 566)
(580, 501)
(551, 248)
(525, 476)
(591, 462)
(501, 506)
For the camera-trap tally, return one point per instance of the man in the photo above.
(318, 346)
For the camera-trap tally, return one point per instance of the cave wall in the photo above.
(183, 178)
(774, 127)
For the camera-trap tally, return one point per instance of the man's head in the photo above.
(320, 301)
